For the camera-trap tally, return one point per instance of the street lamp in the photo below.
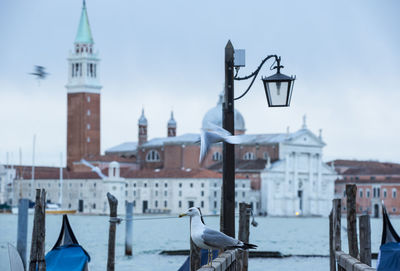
(278, 89)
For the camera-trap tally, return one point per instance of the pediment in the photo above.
(305, 138)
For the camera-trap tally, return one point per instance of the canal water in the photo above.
(152, 234)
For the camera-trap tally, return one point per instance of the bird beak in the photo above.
(182, 215)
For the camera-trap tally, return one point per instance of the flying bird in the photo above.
(39, 72)
(217, 134)
(210, 239)
(94, 168)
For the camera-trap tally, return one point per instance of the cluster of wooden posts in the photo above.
(230, 260)
(37, 253)
(356, 259)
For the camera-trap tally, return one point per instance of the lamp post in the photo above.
(278, 89)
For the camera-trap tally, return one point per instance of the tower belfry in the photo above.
(83, 88)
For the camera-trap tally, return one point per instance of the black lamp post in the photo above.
(278, 89)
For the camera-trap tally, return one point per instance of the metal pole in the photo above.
(227, 224)
(22, 230)
(128, 229)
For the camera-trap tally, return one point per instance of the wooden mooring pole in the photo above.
(351, 191)
(244, 231)
(336, 244)
(365, 239)
(113, 202)
(38, 233)
(22, 229)
(129, 228)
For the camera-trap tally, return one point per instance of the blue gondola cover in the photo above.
(67, 254)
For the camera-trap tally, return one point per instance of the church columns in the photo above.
(285, 191)
(319, 181)
(295, 182)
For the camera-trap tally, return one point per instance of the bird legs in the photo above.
(209, 259)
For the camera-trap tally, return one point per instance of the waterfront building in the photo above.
(7, 175)
(376, 182)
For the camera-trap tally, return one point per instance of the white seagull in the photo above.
(217, 134)
(94, 169)
(210, 239)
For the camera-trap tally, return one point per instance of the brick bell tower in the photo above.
(83, 88)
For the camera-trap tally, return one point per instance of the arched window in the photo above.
(217, 156)
(394, 193)
(153, 156)
(249, 156)
(265, 155)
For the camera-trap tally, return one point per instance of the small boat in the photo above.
(67, 254)
(53, 208)
(389, 252)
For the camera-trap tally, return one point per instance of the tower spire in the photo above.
(84, 34)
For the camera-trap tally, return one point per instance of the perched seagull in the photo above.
(210, 239)
(217, 134)
(94, 169)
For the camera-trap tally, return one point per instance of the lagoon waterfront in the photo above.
(152, 234)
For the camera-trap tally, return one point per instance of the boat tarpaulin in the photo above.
(67, 254)
(389, 252)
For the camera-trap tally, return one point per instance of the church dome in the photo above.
(214, 116)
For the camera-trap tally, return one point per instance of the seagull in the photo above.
(217, 134)
(94, 169)
(210, 239)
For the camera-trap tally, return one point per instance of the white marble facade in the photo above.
(299, 183)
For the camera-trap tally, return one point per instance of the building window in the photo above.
(180, 204)
(243, 194)
(368, 193)
(180, 193)
(156, 204)
(165, 204)
(134, 185)
(394, 210)
(88, 139)
(202, 184)
(145, 184)
(215, 204)
(191, 185)
(94, 184)
(215, 184)
(243, 185)
(94, 205)
(165, 193)
(156, 193)
(134, 203)
(153, 156)
(215, 194)
(361, 193)
(88, 112)
(69, 205)
(217, 156)
(265, 155)
(394, 193)
(165, 185)
(156, 184)
(202, 193)
(202, 204)
(249, 156)
(88, 126)
(134, 192)
(180, 185)
(88, 99)
(384, 193)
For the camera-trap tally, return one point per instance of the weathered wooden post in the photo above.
(38, 233)
(113, 202)
(195, 256)
(336, 229)
(128, 229)
(351, 191)
(244, 231)
(365, 239)
(332, 261)
(22, 229)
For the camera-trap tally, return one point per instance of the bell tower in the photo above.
(83, 88)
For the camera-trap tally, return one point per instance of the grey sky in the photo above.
(167, 55)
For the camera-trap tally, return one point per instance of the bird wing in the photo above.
(218, 239)
(219, 129)
(94, 169)
(206, 139)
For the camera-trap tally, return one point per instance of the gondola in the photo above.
(389, 252)
(67, 254)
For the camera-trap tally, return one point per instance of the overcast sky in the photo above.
(164, 55)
